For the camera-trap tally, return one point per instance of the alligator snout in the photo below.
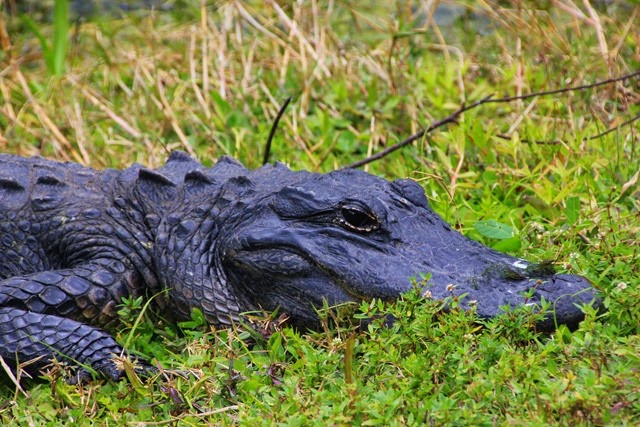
(491, 280)
(566, 293)
(496, 289)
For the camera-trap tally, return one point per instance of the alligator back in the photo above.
(36, 195)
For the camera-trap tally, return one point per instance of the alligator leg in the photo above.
(28, 336)
(49, 314)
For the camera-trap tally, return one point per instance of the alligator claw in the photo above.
(112, 369)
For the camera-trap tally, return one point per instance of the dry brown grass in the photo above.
(138, 88)
(210, 80)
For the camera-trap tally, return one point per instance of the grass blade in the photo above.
(58, 53)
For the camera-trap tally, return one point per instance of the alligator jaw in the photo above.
(496, 288)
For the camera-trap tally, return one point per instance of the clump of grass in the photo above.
(54, 52)
(210, 80)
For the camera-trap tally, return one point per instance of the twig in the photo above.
(588, 138)
(449, 119)
(621, 125)
(274, 126)
(490, 99)
(527, 141)
(566, 89)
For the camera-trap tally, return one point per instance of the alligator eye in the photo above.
(357, 219)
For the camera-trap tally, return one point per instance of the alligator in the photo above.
(226, 240)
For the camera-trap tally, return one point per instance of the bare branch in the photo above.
(566, 89)
(528, 141)
(613, 129)
(449, 119)
(588, 138)
(274, 126)
(489, 99)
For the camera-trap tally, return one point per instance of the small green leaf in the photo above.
(221, 104)
(391, 103)
(573, 209)
(197, 320)
(493, 229)
(347, 142)
(489, 177)
(512, 244)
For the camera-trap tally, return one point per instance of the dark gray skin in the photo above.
(227, 240)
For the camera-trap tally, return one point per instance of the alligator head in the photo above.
(348, 236)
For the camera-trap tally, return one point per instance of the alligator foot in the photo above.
(27, 336)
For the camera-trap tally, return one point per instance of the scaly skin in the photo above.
(226, 240)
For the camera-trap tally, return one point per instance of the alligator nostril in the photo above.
(504, 272)
(512, 275)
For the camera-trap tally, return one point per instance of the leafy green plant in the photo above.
(495, 230)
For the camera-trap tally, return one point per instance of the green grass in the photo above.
(211, 81)
(54, 53)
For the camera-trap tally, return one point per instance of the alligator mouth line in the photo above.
(336, 278)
